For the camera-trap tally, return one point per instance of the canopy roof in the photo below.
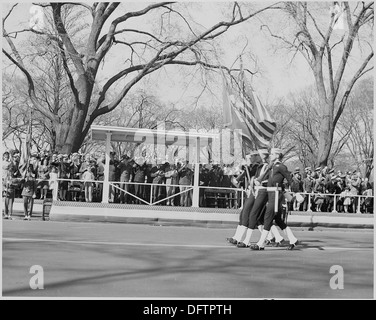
(149, 136)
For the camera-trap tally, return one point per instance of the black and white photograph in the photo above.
(187, 156)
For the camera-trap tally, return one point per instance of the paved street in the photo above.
(144, 261)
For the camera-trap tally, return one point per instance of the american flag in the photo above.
(244, 111)
(257, 117)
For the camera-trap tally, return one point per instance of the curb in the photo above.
(202, 217)
(184, 216)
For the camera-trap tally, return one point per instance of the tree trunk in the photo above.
(325, 135)
(77, 129)
(73, 133)
(369, 168)
(326, 108)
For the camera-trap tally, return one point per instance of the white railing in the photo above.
(187, 188)
(336, 197)
(238, 192)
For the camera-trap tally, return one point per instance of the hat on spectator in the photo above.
(308, 169)
(318, 169)
(334, 177)
(276, 151)
(262, 151)
(297, 170)
(331, 170)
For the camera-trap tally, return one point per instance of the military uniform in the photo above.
(254, 169)
(278, 173)
(256, 215)
(254, 210)
(247, 206)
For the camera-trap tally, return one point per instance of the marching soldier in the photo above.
(261, 198)
(278, 173)
(248, 204)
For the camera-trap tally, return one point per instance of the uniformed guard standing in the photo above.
(278, 173)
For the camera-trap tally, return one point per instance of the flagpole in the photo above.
(28, 143)
(241, 75)
(241, 78)
(225, 84)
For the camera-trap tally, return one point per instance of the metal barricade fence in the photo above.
(336, 197)
(238, 198)
(239, 193)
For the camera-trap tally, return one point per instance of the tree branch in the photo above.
(357, 75)
(56, 7)
(110, 34)
(8, 14)
(347, 50)
(299, 47)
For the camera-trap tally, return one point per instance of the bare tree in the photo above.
(329, 56)
(358, 122)
(171, 41)
(15, 112)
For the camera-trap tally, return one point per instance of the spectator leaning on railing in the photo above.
(319, 189)
(171, 182)
(355, 189)
(63, 173)
(75, 176)
(126, 174)
(296, 187)
(185, 175)
(139, 177)
(308, 187)
(113, 168)
(43, 177)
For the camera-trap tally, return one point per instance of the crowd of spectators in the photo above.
(79, 177)
(323, 183)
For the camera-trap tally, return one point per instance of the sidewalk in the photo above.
(182, 216)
